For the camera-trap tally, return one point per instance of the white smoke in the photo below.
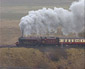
(45, 21)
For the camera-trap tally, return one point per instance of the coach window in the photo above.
(83, 40)
(61, 40)
(69, 40)
(72, 40)
(76, 40)
(66, 40)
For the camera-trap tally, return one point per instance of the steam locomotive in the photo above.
(49, 41)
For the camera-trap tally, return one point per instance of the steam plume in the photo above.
(45, 20)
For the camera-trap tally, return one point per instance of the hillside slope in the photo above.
(48, 58)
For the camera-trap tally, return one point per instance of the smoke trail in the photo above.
(45, 21)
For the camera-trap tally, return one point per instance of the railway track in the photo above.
(3, 46)
(12, 46)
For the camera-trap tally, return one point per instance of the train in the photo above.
(49, 41)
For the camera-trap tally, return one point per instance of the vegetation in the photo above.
(46, 58)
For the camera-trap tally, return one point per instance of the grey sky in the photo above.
(34, 2)
(15, 9)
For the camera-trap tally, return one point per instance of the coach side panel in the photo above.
(72, 41)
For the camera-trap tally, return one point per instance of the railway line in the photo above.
(69, 46)
(4, 46)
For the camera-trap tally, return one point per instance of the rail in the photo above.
(10, 67)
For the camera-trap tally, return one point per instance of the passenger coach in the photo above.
(72, 41)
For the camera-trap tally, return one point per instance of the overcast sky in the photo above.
(34, 2)
(15, 9)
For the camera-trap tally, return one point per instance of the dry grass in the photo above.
(75, 60)
(9, 32)
(29, 57)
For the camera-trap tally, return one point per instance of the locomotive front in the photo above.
(28, 41)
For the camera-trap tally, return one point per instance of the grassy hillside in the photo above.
(9, 32)
(46, 58)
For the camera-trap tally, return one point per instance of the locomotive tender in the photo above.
(49, 41)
